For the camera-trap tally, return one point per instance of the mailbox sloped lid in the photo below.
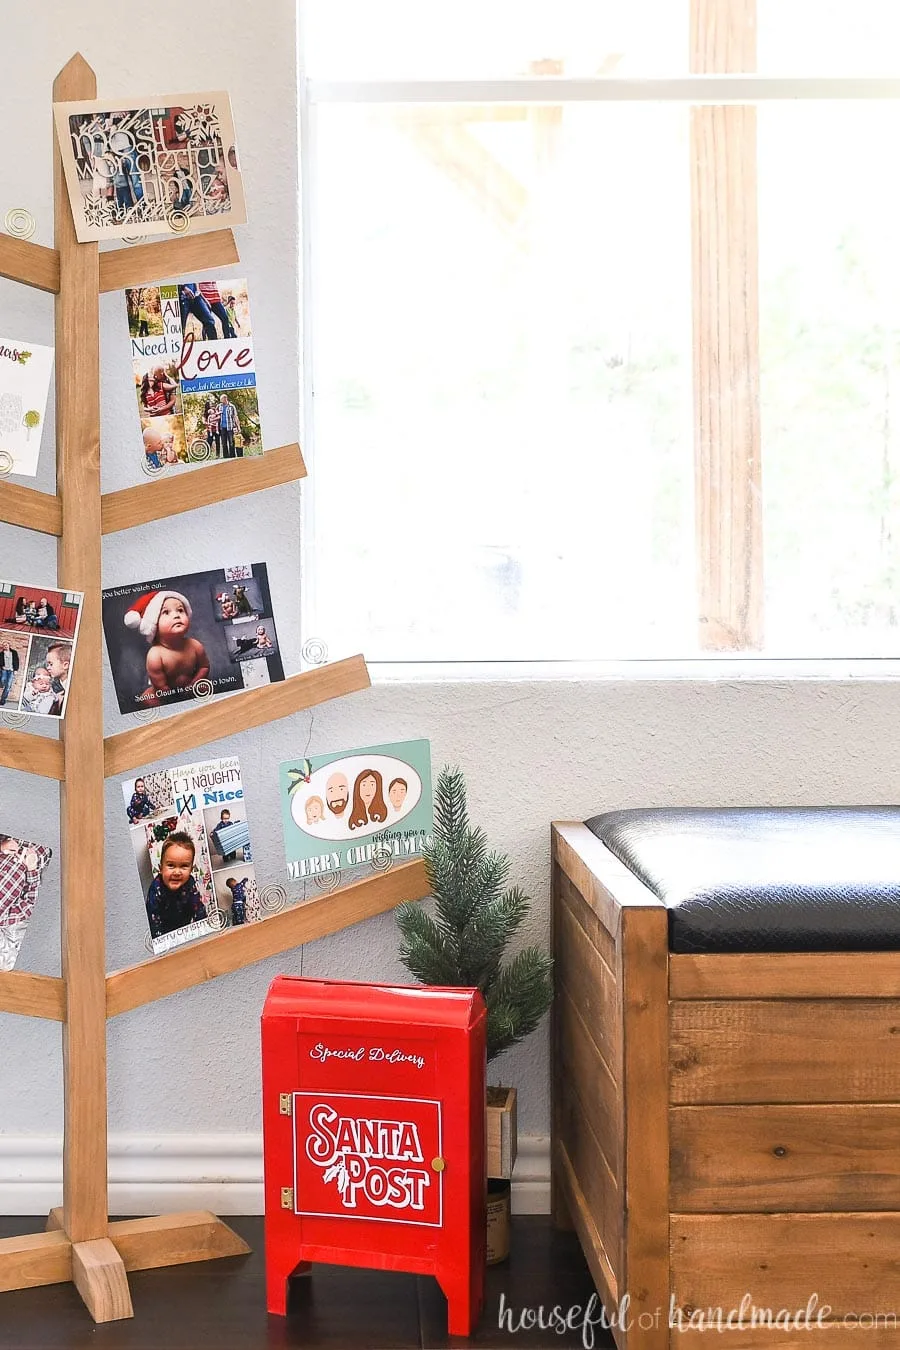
(296, 996)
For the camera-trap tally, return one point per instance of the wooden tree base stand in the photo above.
(80, 1244)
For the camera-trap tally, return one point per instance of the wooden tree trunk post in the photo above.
(98, 1269)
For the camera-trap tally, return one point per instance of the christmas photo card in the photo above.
(38, 632)
(191, 843)
(25, 371)
(356, 807)
(186, 637)
(155, 166)
(21, 873)
(194, 372)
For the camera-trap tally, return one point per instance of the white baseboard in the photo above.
(531, 1175)
(157, 1174)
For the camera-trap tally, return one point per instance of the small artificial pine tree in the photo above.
(474, 919)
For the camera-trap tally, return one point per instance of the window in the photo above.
(602, 328)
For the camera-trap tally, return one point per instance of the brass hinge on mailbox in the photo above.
(287, 1197)
(285, 1103)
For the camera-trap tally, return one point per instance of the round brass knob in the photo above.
(438, 1164)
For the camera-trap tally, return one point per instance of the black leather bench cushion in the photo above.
(781, 879)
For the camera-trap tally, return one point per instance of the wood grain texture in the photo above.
(578, 1138)
(99, 1276)
(582, 1068)
(38, 1258)
(595, 932)
(56, 1221)
(32, 995)
(174, 1240)
(843, 1050)
(592, 987)
(736, 1159)
(559, 1208)
(203, 486)
(848, 1260)
(238, 947)
(830, 1336)
(723, 36)
(725, 270)
(77, 369)
(785, 975)
(142, 264)
(502, 1133)
(32, 754)
(643, 983)
(32, 264)
(598, 1258)
(251, 708)
(606, 884)
(33, 510)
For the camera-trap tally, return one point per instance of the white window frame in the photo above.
(691, 90)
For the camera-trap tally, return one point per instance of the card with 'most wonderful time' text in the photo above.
(150, 166)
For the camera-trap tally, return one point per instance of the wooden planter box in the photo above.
(501, 1132)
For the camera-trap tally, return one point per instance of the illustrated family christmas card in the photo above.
(179, 638)
(151, 167)
(356, 807)
(25, 370)
(191, 843)
(194, 372)
(38, 632)
(21, 873)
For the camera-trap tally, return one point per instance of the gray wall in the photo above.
(532, 750)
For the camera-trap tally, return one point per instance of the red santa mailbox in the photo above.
(374, 1128)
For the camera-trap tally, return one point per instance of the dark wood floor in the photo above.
(221, 1304)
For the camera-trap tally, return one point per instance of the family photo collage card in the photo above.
(194, 372)
(38, 632)
(191, 844)
(180, 638)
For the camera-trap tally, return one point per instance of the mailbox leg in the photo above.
(464, 1293)
(278, 1275)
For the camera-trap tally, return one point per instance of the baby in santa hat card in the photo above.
(175, 638)
(175, 659)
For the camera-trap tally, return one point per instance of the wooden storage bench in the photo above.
(726, 1072)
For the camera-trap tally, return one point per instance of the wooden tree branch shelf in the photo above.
(33, 995)
(41, 511)
(81, 1245)
(32, 264)
(188, 491)
(146, 263)
(42, 755)
(256, 707)
(299, 923)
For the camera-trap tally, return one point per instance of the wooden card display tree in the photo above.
(80, 1243)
